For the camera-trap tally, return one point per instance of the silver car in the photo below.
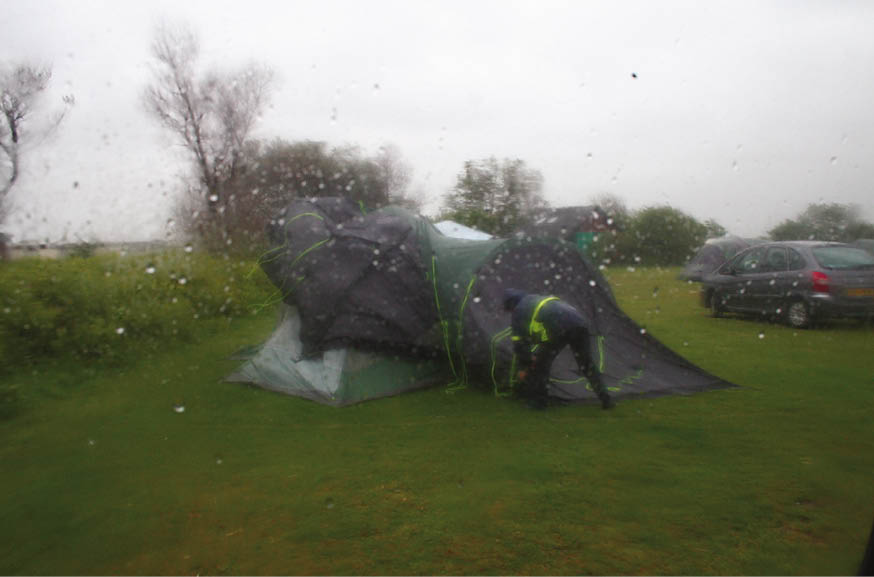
(797, 281)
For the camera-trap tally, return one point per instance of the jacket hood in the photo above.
(512, 297)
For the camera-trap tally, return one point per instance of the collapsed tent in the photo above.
(710, 256)
(412, 306)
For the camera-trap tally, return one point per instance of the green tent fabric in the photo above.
(389, 286)
(339, 376)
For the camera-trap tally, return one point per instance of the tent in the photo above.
(458, 230)
(385, 296)
(714, 252)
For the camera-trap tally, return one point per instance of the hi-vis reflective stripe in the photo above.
(536, 328)
(444, 324)
(600, 353)
(493, 350)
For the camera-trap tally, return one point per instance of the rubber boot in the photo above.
(607, 402)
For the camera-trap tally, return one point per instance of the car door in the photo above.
(737, 294)
(757, 272)
(771, 284)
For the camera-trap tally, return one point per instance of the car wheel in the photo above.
(715, 305)
(798, 315)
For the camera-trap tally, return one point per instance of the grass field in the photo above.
(160, 467)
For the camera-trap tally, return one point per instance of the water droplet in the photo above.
(761, 335)
(476, 299)
(183, 280)
(643, 331)
(188, 248)
(92, 442)
(179, 408)
(213, 198)
(150, 269)
(119, 331)
(592, 283)
(833, 160)
(219, 461)
(329, 503)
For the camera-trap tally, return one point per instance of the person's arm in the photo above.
(522, 350)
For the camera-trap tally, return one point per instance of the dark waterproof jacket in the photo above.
(558, 319)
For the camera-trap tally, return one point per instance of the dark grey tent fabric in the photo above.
(710, 256)
(355, 279)
(389, 281)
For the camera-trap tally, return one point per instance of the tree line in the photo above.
(238, 184)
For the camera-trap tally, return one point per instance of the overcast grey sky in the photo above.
(741, 111)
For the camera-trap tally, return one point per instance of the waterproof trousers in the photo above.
(578, 339)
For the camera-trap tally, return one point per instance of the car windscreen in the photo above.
(843, 257)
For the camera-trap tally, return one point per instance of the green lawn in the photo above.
(104, 473)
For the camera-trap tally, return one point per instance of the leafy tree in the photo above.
(662, 236)
(496, 197)
(20, 89)
(614, 207)
(274, 174)
(824, 221)
(213, 114)
(714, 229)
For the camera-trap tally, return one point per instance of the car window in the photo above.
(843, 257)
(776, 260)
(796, 261)
(751, 262)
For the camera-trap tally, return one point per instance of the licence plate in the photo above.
(860, 292)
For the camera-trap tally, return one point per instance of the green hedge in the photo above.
(106, 306)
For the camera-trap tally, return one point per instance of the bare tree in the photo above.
(397, 174)
(213, 114)
(20, 89)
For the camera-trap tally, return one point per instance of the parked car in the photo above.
(797, 281)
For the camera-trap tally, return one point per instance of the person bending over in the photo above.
(541, 327)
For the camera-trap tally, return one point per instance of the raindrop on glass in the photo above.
(183, 280)
(178, 408)
(150, 269)
(761, 335)
(119, 331)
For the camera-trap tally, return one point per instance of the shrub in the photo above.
(103, 307)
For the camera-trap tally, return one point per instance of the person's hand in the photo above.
(522, 375)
